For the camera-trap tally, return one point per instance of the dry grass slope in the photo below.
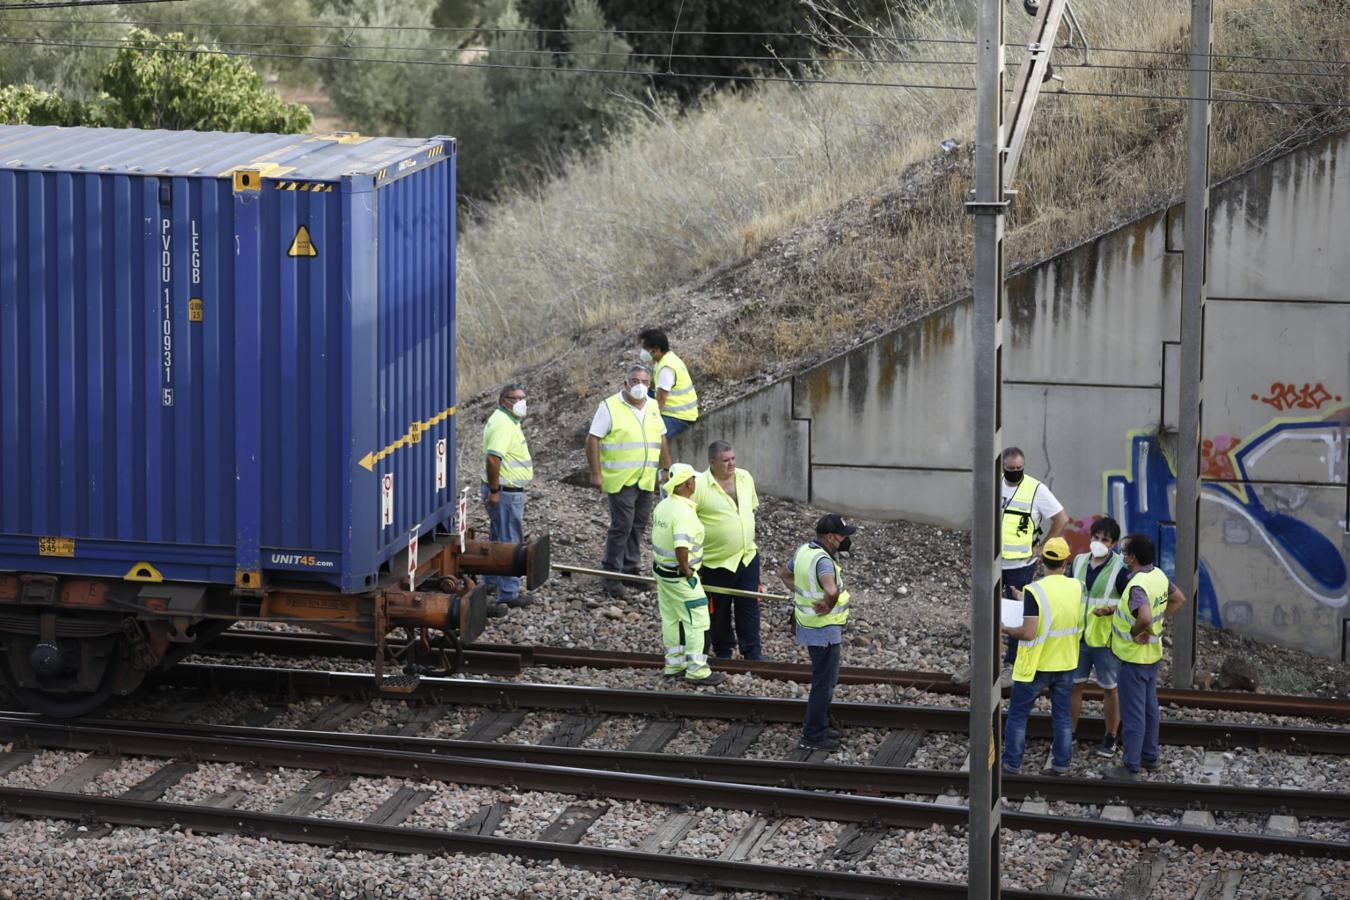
(675, 197)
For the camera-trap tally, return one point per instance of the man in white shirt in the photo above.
(1027, 504)
(626, 441)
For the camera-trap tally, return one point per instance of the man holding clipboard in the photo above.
(1047, 630)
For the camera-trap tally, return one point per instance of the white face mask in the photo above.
(518, 409)
(645, 357)
(638, 392)
(1098, 549)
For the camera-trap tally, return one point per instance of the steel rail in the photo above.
(697, 705)
(110, 737)
(713, 873)
(508, 659)
(664, 789)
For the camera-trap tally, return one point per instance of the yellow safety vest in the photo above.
(730, 526)
(682, 399)
(1019, 530)
(504, 437)
(675, 524)
(1097, 629)
(631, 452)
(1055, 646)
(807, 589)
(1155, 584)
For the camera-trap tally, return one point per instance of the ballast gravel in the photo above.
(45, 767)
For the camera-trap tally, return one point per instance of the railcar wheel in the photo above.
(46, 680)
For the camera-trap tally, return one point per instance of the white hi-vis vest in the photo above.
(631, 452)
(1019, 529)
(1055, 646)
(681, 399)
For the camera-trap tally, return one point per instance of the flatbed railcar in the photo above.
(227, 392)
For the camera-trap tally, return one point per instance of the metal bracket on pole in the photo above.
(1031, 74)
(1193, 290)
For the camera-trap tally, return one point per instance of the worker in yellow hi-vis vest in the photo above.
(677, 552)
(1027, 505)
(626, 449)
(1147, 601)
(674, 389)
(1046, 658)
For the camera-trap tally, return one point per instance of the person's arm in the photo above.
(1058, 522)
(1143, 616)
(593, 460)
(1175, 601)
(682, 554)
(1024, 632)
(661, 395)
(665, 454)
(831, 589)
(494, 475)
(785, 576)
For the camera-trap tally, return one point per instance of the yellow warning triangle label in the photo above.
(302, 245)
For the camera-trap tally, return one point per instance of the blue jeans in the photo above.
(1101, 659)
(506, 522)
(743, 610)
(674, 426)
(1138, 691)
(1024, 694)
(824, 676)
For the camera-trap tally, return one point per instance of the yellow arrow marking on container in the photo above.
(412, 436)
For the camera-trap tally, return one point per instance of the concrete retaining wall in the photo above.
(1091, 389)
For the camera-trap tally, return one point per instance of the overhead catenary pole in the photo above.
(1190, 406)
(988, 205)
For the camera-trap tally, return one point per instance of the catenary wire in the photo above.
(75, 4)
(1163, 70)
(1259, 101)
(483, 29)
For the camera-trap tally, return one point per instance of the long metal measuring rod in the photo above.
(647, 579)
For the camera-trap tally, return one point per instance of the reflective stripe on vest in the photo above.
(1097, 629)
(807, 590)
(1155, 584)
(631, 452)
(1019, 530)
(517, 469)
(676, 524)
(1060, 620)
(681, 399)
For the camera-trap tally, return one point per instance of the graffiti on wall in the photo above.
(1285, 396)
(1141, 499)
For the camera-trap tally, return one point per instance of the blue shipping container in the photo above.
(224, 358)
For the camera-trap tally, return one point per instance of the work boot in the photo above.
(615, 590)
(497, 610)
(1151, 765)
(1108, 747)
(825, 743)
(715, 678)
(520, 601)
(1120, 773)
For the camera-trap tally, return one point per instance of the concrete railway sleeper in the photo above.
(697, 872)
(694, 704)
(411, 755)
(508, 659)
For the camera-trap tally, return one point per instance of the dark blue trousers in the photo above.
(735, 620)
(824, 676)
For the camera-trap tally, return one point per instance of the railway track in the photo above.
(508, 660)
(869, 801)
(216, 679)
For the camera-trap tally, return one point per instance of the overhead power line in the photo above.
(486, 29)
(75, 4)
(639, 73)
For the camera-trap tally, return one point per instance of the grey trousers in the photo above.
(629, 512)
